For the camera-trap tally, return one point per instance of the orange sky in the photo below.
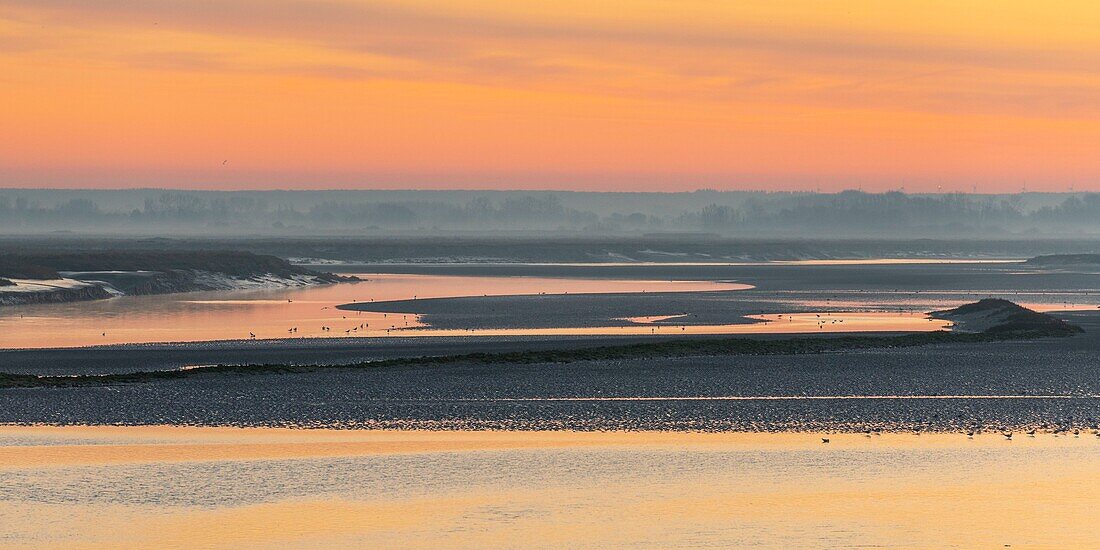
(571, 94)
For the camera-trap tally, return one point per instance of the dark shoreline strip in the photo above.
(647, 350)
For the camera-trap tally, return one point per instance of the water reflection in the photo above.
(283, 313)
(548, 489)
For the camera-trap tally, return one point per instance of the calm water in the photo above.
(228, 315)
(214, 487)
(311, 313)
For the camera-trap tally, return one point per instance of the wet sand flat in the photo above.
(554, 300)
(890, 290)
(790, 323)
(1046, 384)
(309, 312)
(546, 489)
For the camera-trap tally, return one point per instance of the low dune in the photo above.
(996, 316)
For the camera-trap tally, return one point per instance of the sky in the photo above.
(630, 95)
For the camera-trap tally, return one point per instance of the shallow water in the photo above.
(98, 487)
(788, 323)
(829, 262)
(910, 301)
(311, 312)
(227, 315)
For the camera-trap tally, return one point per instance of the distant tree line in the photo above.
(849, 213)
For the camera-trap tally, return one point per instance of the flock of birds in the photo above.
(1006, 434)
(353, 329)
(822, 320)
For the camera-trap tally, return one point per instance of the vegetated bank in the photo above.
(49, 277)
(1065, 260)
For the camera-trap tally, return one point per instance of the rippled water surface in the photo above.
(217, 487)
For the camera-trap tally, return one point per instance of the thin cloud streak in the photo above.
(426, 36)
(376, 91)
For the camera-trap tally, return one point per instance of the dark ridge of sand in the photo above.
(679, 347)
(1008, 384)
(1001, 321)
(121, 359)
(1051, 384)
(778, 289)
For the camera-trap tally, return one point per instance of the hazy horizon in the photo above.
(380, 212)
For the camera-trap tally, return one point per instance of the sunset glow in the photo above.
(628, 95)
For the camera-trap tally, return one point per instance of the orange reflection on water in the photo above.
(868, 321)
(282, 313)
(785, 323)
(1056, 307)
(666, 490)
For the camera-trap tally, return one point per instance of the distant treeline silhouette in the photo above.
(739, 213)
